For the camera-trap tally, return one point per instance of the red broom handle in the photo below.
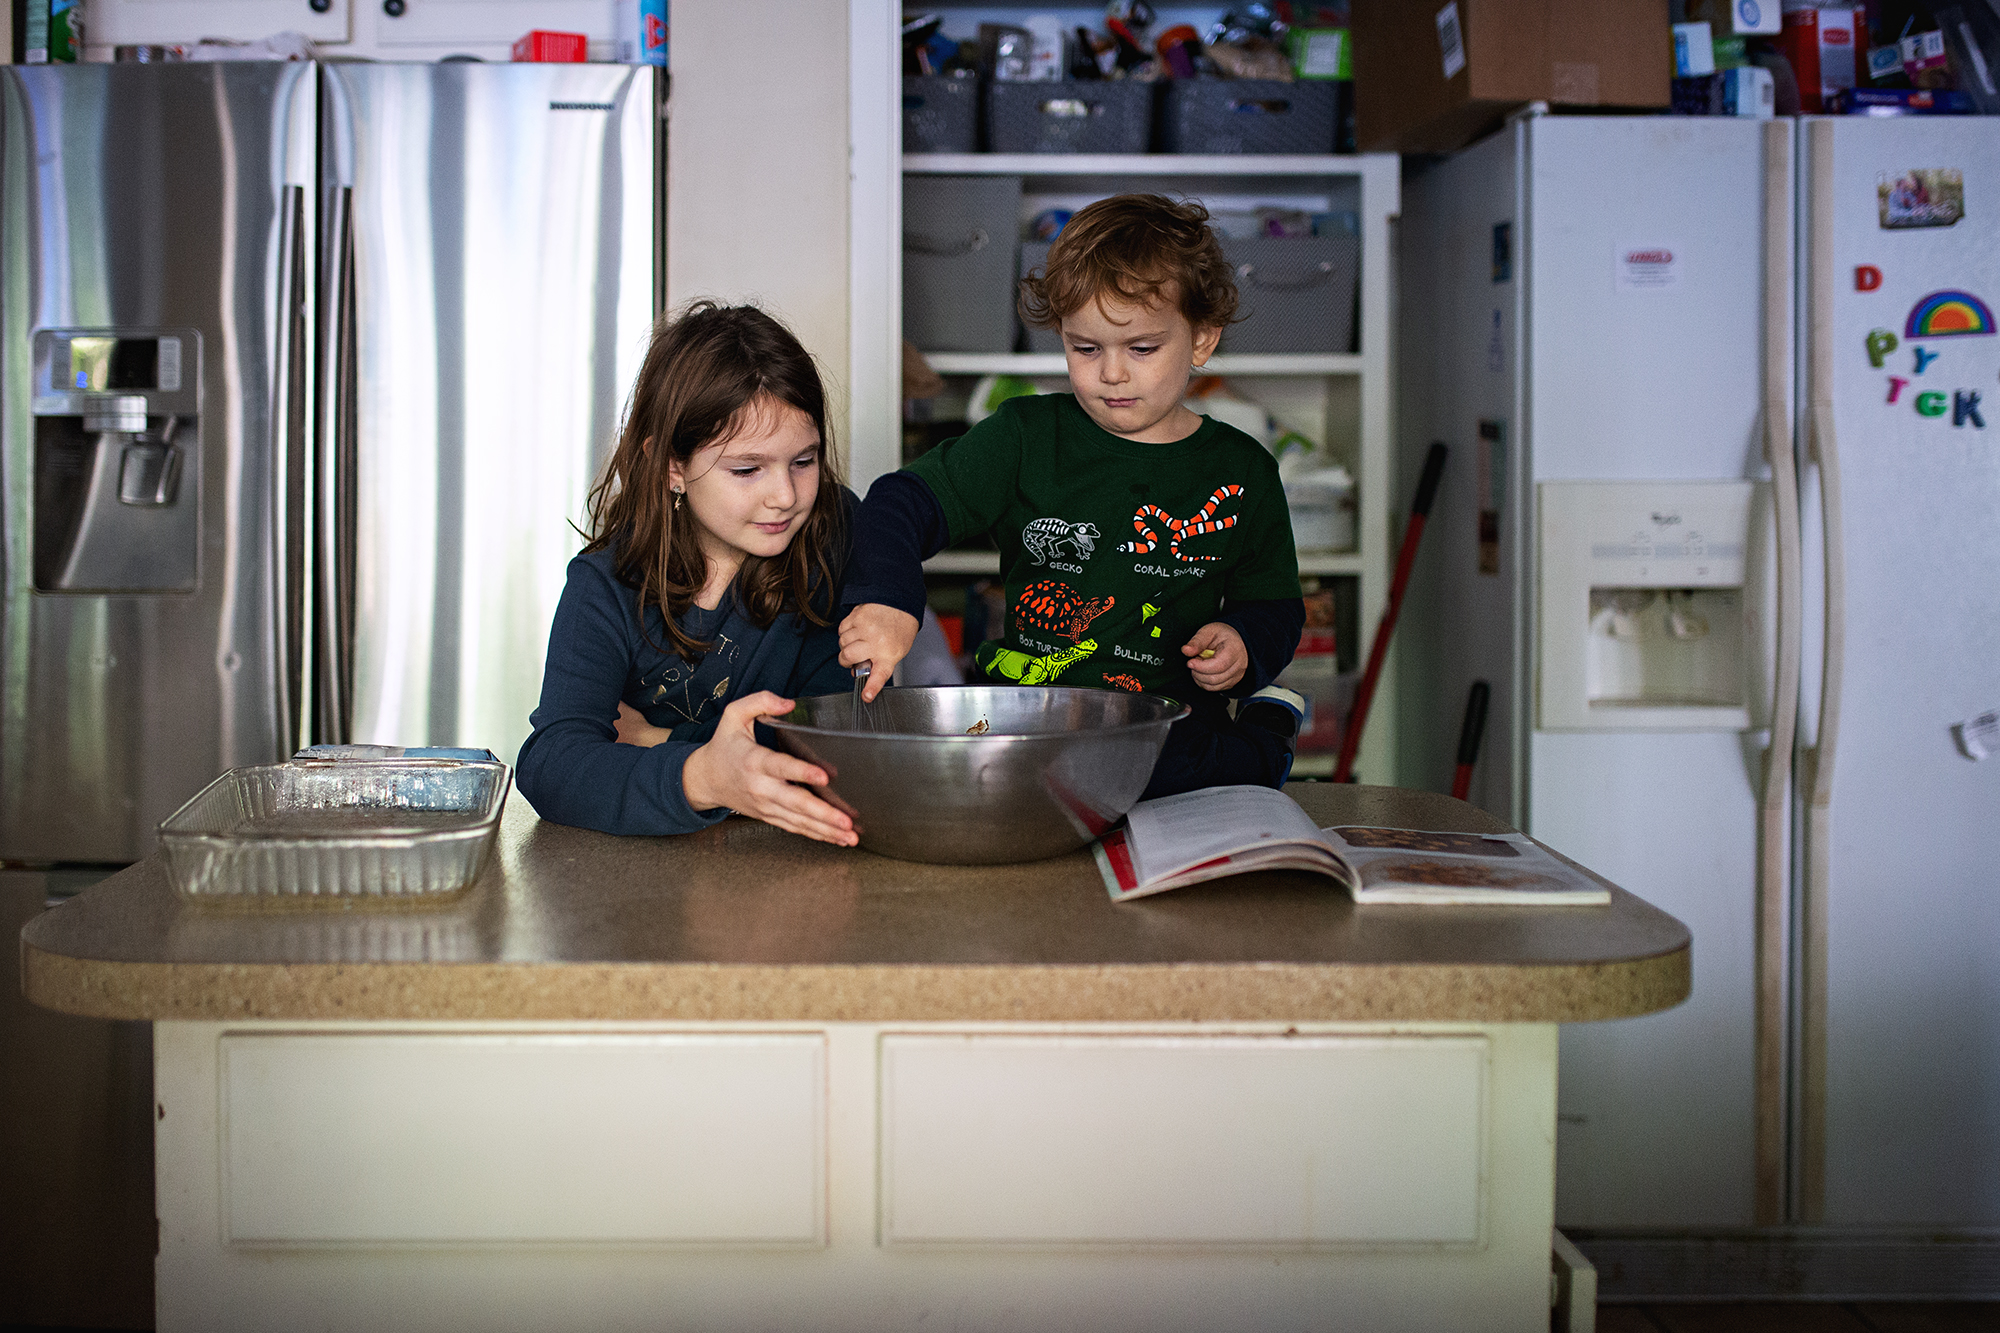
(1357, 717)
(1468, 738)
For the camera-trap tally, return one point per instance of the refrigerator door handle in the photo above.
(333, 678)
(289, 530)
(1773, 884)
(1817, 767)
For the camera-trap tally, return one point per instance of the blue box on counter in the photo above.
(1901, 102)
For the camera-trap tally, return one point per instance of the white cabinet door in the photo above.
(475, 24)
(431, 1138)
(167, 22)
(1287, 1141)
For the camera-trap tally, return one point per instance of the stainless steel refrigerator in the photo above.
(305, 372)
(1720, 532)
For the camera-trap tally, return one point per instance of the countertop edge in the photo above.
(858, 992)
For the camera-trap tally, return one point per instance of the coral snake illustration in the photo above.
(1180, 528)
(1124, 682)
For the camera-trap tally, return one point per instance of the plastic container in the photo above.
(1247, 116)
(940, 113)
(1322, 505)
(1071, 116)
(373, 830)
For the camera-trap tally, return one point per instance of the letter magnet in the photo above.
(1881, 342)
(1932, 404)
(1924, 358)
(1867, 277)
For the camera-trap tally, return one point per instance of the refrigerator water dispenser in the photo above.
(117, 487)
(1646, 613)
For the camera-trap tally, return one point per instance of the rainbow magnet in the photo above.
(1948, 313)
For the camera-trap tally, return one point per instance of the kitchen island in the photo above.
(741, 1080)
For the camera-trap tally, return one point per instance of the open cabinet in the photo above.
(1339, 400)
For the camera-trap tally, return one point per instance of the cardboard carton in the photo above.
(1433, 75)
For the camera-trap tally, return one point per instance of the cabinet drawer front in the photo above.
(1197, 1140)
(434, 1138)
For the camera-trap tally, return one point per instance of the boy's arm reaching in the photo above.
(898, 527)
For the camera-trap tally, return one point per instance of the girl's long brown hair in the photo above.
(704, 374)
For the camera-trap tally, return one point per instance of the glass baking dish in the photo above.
(377, 830)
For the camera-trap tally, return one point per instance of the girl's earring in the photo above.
(678, 492)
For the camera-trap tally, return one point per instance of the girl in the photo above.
(705, 598)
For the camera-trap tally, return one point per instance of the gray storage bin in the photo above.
(1247, 116)
(1071, 116)
(958, 262)
(940, 113)
(1297, 294)
(1034, 254)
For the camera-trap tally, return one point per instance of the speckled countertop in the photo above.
(744, 922)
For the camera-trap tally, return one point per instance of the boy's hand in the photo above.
(1228, 658)
(733, 770)
(634, 729)
(879, 635)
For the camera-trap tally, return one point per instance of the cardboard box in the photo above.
(1433, 75)
(1820, 44)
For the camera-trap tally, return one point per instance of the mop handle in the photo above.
(1357, 717)
(1468, 738)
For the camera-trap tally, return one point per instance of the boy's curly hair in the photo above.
(1133, 248)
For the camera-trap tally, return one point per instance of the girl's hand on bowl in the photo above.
(879, 635)
(733, 770)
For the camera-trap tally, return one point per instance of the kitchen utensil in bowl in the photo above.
(982, 774)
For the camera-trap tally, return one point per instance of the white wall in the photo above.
(757, 171)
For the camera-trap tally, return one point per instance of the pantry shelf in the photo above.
(1051, 363)
(1340, 401)
(1142, 164)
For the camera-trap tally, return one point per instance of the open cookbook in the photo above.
(1218, 831)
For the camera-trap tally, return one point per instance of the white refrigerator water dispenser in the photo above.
(1649, 611)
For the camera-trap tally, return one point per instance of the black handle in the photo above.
(393, 8)
(1475, 723)
(1427, 488)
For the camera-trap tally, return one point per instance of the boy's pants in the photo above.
(1213, 750)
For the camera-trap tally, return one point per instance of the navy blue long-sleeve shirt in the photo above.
(572, 768)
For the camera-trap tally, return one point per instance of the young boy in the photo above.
(1144, 547)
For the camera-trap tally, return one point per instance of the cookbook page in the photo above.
(1420, 865)
(1173, 833)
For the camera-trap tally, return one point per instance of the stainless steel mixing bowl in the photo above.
(982, 774)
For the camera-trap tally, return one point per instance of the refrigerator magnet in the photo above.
(1880, 343)
(1978, 737)
(1920, 197)
(1948, 314)
(1867, 278)
(1650, 267)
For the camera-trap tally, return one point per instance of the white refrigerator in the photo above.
(1749, 693)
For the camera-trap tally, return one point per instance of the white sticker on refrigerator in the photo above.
(1978, 737)
(1451, 42)
(1648, 268)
